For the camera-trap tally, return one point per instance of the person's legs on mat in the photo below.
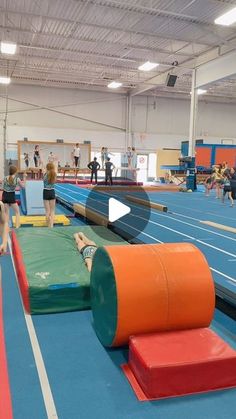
(7, 209)
(17, 213)
(47, 211)
(52, 204)
(231, 199)
(82, 241)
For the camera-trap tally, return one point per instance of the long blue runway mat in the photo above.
(180, 223)
(86, 379)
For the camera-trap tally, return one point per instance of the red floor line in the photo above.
(5, 393)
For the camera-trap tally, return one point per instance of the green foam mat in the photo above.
(57, 277)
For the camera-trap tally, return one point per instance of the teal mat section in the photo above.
(58, 279)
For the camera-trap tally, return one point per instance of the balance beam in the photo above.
(150, 204)
(220, 226)
(90, 215)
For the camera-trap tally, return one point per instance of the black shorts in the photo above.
(49, 194)
(8, 197)
(227, 188)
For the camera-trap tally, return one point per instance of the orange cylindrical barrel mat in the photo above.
(149, 288)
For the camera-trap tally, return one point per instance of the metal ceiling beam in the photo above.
(100, 26)
(138, 8)
(109, 44)
(203, 58)
(218, 69)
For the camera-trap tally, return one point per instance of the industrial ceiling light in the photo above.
(8, 48)
(227, 19)
(148, 66)
(114, 85)
(200, 92)
(5, 80)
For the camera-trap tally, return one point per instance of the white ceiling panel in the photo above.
(85, 43)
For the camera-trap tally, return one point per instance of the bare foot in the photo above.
(76, 237)
(81, 235)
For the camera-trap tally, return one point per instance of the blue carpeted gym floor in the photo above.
(84, 379)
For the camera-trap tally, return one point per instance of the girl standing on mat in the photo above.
(226, 186)
(208, 185)
(129, 155)
(37, 157)
(3, 229)
(218, 178)
(76, 156)
(103, 155)
(9, 196)
(87, 248)
(232, 193)
(26, 160)
(49, 196)
(134, 158)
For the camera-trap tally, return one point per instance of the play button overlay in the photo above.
(116, 210)
(118, 207)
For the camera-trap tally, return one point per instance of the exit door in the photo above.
(142, 165)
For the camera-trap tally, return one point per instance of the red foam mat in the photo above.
(5, 394)
(179, 363)
(21, 271)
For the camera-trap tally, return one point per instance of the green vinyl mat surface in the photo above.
(57, 277)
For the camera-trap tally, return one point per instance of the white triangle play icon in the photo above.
(117, 210)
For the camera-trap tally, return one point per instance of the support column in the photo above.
(3, 140)
(2, 154)
(193, 117)
(128, 127)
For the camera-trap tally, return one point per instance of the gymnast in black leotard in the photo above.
(37, 158)
(87, 248)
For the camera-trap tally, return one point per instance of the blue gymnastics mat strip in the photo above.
(181, 223)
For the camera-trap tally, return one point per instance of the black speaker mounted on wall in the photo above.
(171, 80)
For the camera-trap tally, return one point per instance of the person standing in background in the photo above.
(103, 155)
(109, 166)
(218, 179)
(94, 166)
(37, 158)
(106, 155)
(129, 156)
(76, 155)
(232, 193)
(134, 158)
(49, 196)
(26, 160)
(9, 186)
(51, 157)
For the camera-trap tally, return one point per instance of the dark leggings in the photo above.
(108, 178)
(76, 161)
(95, 175)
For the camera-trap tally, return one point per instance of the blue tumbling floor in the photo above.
(59, 369)
(180, 223)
